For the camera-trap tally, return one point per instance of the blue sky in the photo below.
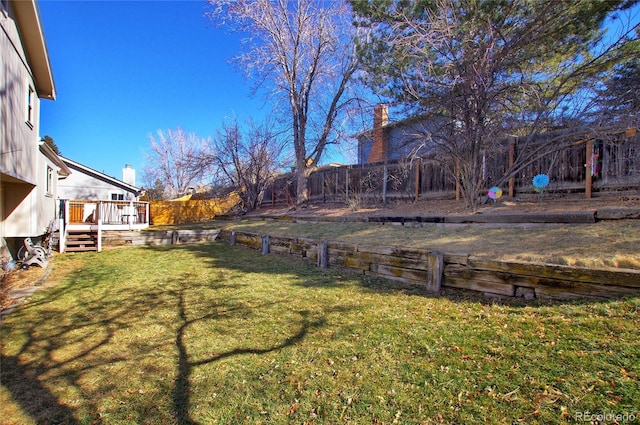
(124, 69)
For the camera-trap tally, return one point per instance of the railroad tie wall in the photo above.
(433, 270)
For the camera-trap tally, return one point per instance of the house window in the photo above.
(49, 180)
(31, 103)
(117, 197)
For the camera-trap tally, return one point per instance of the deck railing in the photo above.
(121, 214)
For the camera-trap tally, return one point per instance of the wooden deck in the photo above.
(84, 221)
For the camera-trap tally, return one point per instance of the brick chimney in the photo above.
(380, 119)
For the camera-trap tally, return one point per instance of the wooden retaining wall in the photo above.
(161, 237)
(433, 270)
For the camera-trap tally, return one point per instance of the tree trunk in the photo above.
(302, 191)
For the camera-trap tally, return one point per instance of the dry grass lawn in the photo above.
(213, 334)
(603, 244)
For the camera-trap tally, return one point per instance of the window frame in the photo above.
(49, 181)
(30, 110)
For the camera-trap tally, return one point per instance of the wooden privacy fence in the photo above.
(192, 211)
(585, 166)
(432, 270)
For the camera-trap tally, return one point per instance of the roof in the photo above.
(27, 18)
(63, 170)
(408, 121)
(100, 176)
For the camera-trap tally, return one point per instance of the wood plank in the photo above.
(412, 253)
(581, 274)
(377, 249)
(395, 279)
(546, 286)
(612, 213)
(479, 285)
(252, 240)
(389, 260)
(341, 246)
(280, 250)
(400, 273)
(349, 261)
(585, 290)
(81, 249)
(456, 258)
(311, 253)
(536, 217)
(435, 272)
(280, 241)
(500, 278)
(300, 246)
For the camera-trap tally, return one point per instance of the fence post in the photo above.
(265, 244)
(323, 255)
(62, 232)
(232, 239)
(131, 215)
(384, 183)
(98, 212)
(436, 270)
(324, 196)
(418, 169)
(588, 178)
(512, 158)
(457, 179)
(346, 183)
(99, 236)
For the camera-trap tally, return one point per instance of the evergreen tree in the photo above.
(491, 68)
(52, 144)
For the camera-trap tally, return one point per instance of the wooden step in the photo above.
(81, 242)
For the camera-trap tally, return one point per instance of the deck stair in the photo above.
(81, 241)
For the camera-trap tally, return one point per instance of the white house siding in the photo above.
(81, 185)
(18, 139)
(25, 208)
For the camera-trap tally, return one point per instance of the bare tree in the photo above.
(176, 161)
(247, 160)
(302, 52)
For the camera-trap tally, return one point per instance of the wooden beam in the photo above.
(323, 255)
(417, 191)
(588, 177)
(512, 158)
(436, 271)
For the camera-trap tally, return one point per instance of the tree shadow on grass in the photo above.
(23, 379)
(92, 307)
(333, 276)
(35, 399)
(68, 332)
(62, 340)
(182, 388)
